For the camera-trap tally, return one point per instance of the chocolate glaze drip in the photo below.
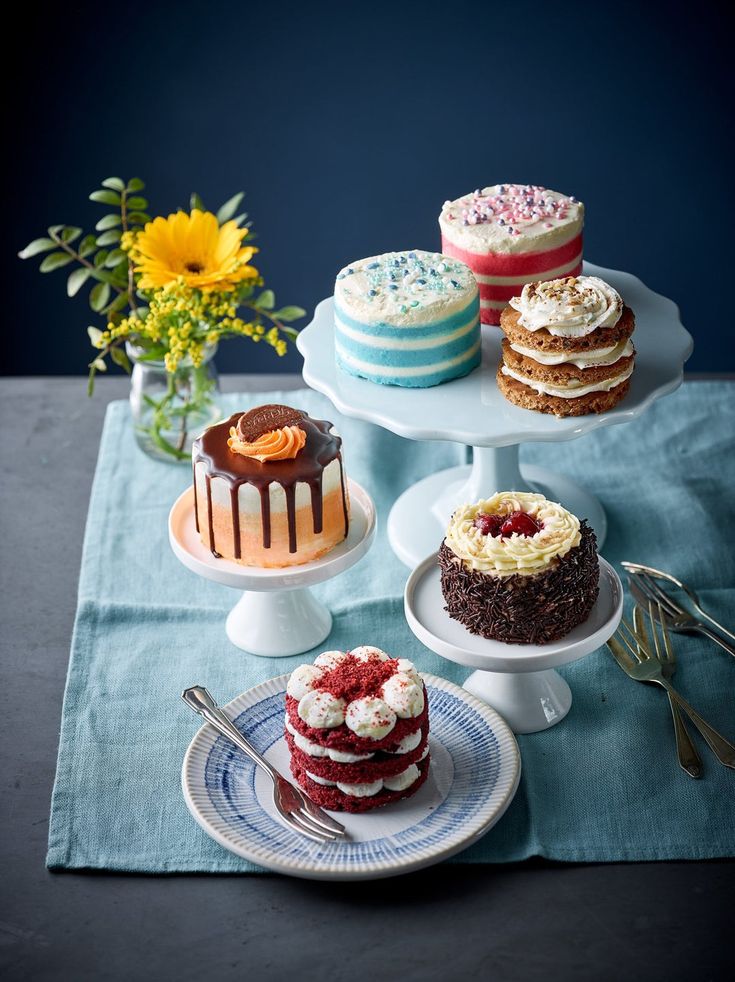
(320, 449)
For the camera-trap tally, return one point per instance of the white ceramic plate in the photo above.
(474, 773)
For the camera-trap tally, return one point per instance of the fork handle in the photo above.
(686, 752)
(199, 699)
(723, 751)
(714, 636)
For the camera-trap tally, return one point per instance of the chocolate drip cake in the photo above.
(518, 568)
(270, 488)
(357, 726)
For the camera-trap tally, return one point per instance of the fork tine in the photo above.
(654, 632)
(305, 826)
(633, 642)
(660, 595)
(640, 590)
(620, 655)
(639, 626)
(315, 814)
(298, 829)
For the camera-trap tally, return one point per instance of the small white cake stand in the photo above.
(517, 680)
(277, 615)
(472, 411)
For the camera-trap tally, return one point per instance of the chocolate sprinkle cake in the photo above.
(523, 609)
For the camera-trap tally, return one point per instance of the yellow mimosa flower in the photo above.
(195, 249)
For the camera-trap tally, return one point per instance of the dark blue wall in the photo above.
(350, 124)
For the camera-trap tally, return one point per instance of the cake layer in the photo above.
(342, 738)
(523, 609)
(357, 798)
(543, 341)
(592, 402)
(377, 767)
(565, 375)
(409, 319)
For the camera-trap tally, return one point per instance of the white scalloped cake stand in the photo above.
(277, 615)
(517, 680)
(471, 410)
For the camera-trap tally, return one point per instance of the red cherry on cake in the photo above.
(521, 523)
(488, 524)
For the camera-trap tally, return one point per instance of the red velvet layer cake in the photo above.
(357, 726)
(511, 234)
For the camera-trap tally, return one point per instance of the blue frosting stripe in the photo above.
(409, 358)
(380, 329)
(416, 381)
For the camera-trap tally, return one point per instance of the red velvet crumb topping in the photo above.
(353, 679)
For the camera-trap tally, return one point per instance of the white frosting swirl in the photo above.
(321, 709)
(408, 668)
(570, 307)
(524, 554)
(302, 680)
(366, 652)
(361, 790)
(329, 660)
(408, 743)
(404, 696)
(399, 782)
(370, 717)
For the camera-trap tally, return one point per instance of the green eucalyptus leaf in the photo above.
(121, 359)
(76, 280)
(98, 296)
(118, 304)
(137, 204)
(101, 257)
(106, 197)
(99, 365)
(115, 257)
(55, 261)
(94, 335)
(266, 300)
(229, 208)
(139, 218)
(87, 246)
(196, 202)
(108, 221)
(37, 246)
(135, 184)
(109, 238)
(113, 182)
(54, 230)
(290, 313)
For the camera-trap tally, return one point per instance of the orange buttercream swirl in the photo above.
(281, 444)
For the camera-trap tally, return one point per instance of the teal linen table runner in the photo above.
(603, 785)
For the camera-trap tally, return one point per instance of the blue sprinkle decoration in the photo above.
(422, 282)
(373, 265)
(414, 303)
(392, 286)
(340, 276)
(350, 271)
(455, 284)
(405, 272)
(412, 255)
(372, 293)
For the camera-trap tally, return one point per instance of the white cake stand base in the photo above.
(517, 680)
(277, 615)
(437, 496)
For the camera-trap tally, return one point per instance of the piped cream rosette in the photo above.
(572, 307)
(506, 555)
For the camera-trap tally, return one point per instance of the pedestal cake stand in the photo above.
(277, 615)
(472, 411)
(517, 680)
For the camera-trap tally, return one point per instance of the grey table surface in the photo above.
(536, 920)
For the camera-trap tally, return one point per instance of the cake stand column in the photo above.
(528, 701)
(418, 520)
(278, 623)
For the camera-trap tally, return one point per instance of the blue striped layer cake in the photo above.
(407, 318)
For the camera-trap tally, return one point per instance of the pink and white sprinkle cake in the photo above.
(357, 726)
(511, 234)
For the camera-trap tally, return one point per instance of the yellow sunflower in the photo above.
(195, 248)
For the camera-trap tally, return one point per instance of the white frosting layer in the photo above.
(317, 750)
(511, 219)
(413, 371)
(582, 359)
(321, 709)
(249, 496)
(360, 790)
(399, 782)
(404, 288)
(405, 342)
(571, 307)
(505, 555)
(370, 717)
(574, 387)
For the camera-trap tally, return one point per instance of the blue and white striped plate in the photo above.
(474, 773)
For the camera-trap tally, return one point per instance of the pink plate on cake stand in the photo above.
(277, 614)
(472, 411)
(517, 680)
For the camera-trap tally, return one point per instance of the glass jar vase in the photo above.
(170, 410)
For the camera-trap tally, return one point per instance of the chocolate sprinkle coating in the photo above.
(519, 609)
(264, 419)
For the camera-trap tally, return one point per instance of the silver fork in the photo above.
(625, 646)
(644, 588)
(297, 810)
(686, 752)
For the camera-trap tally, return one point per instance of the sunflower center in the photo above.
(194, 267)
